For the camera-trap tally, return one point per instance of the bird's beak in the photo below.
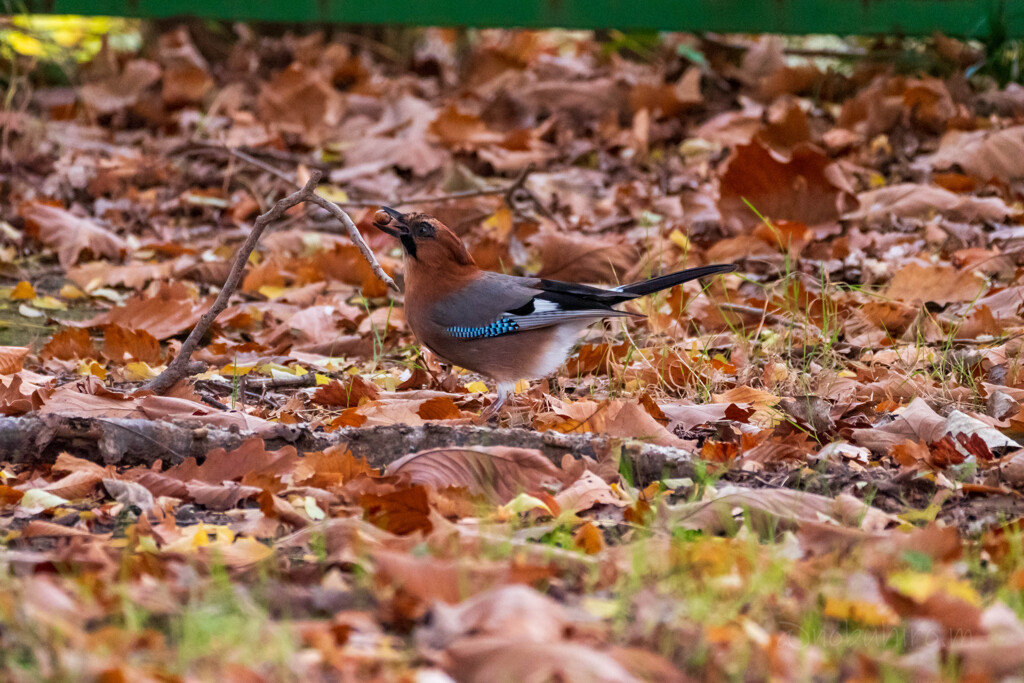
(390, 221)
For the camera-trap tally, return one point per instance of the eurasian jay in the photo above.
(502, 326)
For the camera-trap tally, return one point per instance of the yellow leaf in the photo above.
(49, 303)
(23, 291)
(680, 240)
(275, 369)
(928, 514)
(335, 194)
(147, 544)
(91, 367)
(70, 291)
(233, 370)
(521, 386)
(321, 380)
(139, 371)
(476, 387)
(523, 503)
(25, 44)
(919, 586)
(601, 608)
(500, 223)
(272, 292)
(867, 613)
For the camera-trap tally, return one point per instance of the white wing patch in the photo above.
(556, 316)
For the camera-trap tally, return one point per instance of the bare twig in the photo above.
(200, 147)
(751, 310)
(508, 191)
(259, 163)
(179, 367)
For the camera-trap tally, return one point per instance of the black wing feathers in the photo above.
(574, 297)
(672, 279)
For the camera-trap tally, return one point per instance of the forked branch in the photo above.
(180, 367)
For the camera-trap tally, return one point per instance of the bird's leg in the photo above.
(503, 391)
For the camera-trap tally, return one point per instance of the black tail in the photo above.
(672, 279)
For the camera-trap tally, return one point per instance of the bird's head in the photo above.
(425, 239)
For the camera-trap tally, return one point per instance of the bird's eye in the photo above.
(424, 229)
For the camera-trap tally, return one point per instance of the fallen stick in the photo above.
(125, 442)
(179, 368)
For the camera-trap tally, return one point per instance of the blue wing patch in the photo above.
(496, 329)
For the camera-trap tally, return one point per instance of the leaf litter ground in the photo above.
(839, 486)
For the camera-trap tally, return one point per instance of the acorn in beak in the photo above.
(390, 221)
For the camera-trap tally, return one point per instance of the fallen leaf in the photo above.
(122, 90)
(401, 512)
(452, 581)
(70, 235)
(577, 258)
(12, 359)
(804, 187)
(486, 659)
(498, 473)
(347, 394)
(912, 200)
(768, 507)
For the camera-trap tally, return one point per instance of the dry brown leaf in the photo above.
(431, 579)
(69, 344)
(170, 312)
(18, 397)
(12, 359)
(586, 492)
(133, 275)
(804, 187)
(220, 497)
(185, 84)
(300, 101)
(620, 418)
(401, 512)
(332, 467)
(666, 100)
(439, 408)
(912, 200)
(251, 459)
(122, 346)
(39, 528)
(987, 155)
(77, 484)
(583, 258)
(460, 130)
(122, 90)
(129, 493)
(70, 235)
(769, 507)
(513, 611)
(499, 473)
(486, 659)
(347, 394)
(916, 283)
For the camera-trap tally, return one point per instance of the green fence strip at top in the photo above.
(965, 18)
